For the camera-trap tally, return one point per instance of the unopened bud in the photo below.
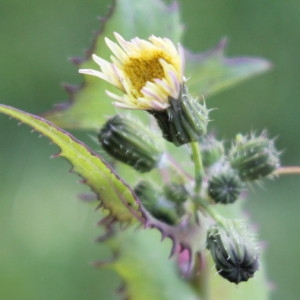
(234, 254)
(130, 143)
(184, 121)
(254, 157)
(155, 203)
(224, 185)
(176, 193)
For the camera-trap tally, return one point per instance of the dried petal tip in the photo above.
(130, 143)
(254, 157)
(234, 254)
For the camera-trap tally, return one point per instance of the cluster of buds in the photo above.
(249, 159)
(149, 76)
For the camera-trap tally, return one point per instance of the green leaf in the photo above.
(89, 104)
(212, 72)
(112, 191)
(142, 262)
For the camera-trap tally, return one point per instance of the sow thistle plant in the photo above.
(150, 76)
(185, 176)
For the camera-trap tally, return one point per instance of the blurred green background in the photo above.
(46, 234)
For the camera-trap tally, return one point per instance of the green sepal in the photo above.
(184, 121)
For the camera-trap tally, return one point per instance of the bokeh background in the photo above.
(46, 234)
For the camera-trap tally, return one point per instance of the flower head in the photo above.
(148, 72)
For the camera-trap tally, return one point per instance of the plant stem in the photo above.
(176, 168)
(287, 170)
(201, 280)
(208, 209)
(170, 169)
(196, 157)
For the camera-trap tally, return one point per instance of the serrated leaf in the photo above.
(212, 72)
(112, 191)
(142, 262)
(89, 104)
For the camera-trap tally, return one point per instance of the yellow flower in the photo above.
(148, 73)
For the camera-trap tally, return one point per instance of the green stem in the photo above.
(196, 157)
(209, 209)
(201, 281)
(177, 169)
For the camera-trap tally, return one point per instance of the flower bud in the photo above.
(234, 254)
(130, 143)
(212, 150)
(155, 203)
(224, 185)
(184, 121)
(176, 193)
(254, 157)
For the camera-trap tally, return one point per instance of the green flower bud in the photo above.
(176, 193)
(224, 185)
(130, 143)
(184, 121)
(254, 157)
(234, 254)
(156, 204)
(211, 150)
